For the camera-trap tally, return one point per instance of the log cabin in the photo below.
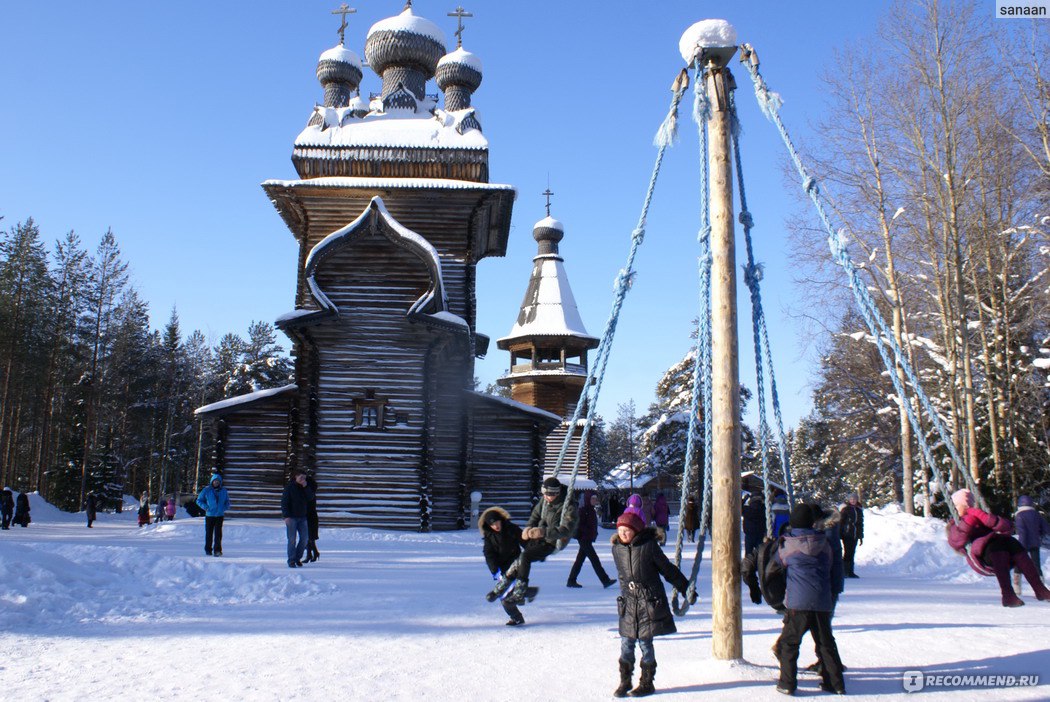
(392, 211)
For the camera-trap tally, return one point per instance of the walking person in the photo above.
(586, 535)
(1031, 527)
(851, 527)
(807, 555)
(662, 516)
(502, 545)
(91, 507)
(312, 523)
(214, 500)
(753, 516)
(144, 517)
(295, 505)
(642, 604)
(7, 507)
(691, 520)
(22, 517)
(169, 508)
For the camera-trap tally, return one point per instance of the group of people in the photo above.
(643, 608)
(14, 510)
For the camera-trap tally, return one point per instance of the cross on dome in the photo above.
(548, 194)
(343, 10)
(459, 14)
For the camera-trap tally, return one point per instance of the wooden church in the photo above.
(392, 212)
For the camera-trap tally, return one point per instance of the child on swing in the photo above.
(642, 604)
(992, 548)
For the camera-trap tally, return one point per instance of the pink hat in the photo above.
(963, 499)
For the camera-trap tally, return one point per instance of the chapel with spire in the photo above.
(548, 344)
(392, 211)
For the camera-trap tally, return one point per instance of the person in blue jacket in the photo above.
(214, 500)
(809, 600)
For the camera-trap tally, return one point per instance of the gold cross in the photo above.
(343, 10)
(459, 14)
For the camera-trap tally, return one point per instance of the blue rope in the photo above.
(700, 399)
(596, 373)
(753, 278)
(770, 104)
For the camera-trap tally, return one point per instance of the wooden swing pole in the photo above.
(726, 615)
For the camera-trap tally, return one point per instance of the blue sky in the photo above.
(160, 120)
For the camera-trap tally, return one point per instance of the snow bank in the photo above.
(896, 543)
(51, 585)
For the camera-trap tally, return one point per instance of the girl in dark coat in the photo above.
(502, 544)
(22, 510)
(642, 604)
(312, 554)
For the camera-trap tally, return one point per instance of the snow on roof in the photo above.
(579, 484)
(463, 56)
(549, 308)
(389, 183)
(520, 406)
(620, 478)
(244, 399)
(549, 222)
(342, 54)
(400, 128)
(708, 33)
(408, 22)
(450, 318)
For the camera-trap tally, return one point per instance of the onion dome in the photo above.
(404, 50)
(547, 233)
(339, 71)
(458, 76)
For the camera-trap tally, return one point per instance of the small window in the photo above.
(369, 411)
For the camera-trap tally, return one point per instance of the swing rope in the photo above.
(760, 333)
(700, 401)
(770, 103)
(588, 400)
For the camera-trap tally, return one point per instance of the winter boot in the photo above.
(626, 671)
(573, 583)
(1023, 562)
(501, 586)
(608, 582)
(645, 681)
(519, 593)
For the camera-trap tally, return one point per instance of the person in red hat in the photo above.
(642, 604)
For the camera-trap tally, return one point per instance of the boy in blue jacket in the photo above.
(807, 556)
(214, 500)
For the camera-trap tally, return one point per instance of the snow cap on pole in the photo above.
(706, 34)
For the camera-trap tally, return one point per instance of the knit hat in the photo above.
(493, 516)
(1024, 501)
(801, 517)
(631, 521)
(551, 486)
(962, 498)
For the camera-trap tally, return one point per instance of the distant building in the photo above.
(392, 212)
(548, 348)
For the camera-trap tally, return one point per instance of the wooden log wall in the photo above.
(507, 459)
(255, 457)
(554, 444)
(371, 477)
(446, 438)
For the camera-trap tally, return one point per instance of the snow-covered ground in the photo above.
(122, 612)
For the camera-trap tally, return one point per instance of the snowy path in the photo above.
(117, 612)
